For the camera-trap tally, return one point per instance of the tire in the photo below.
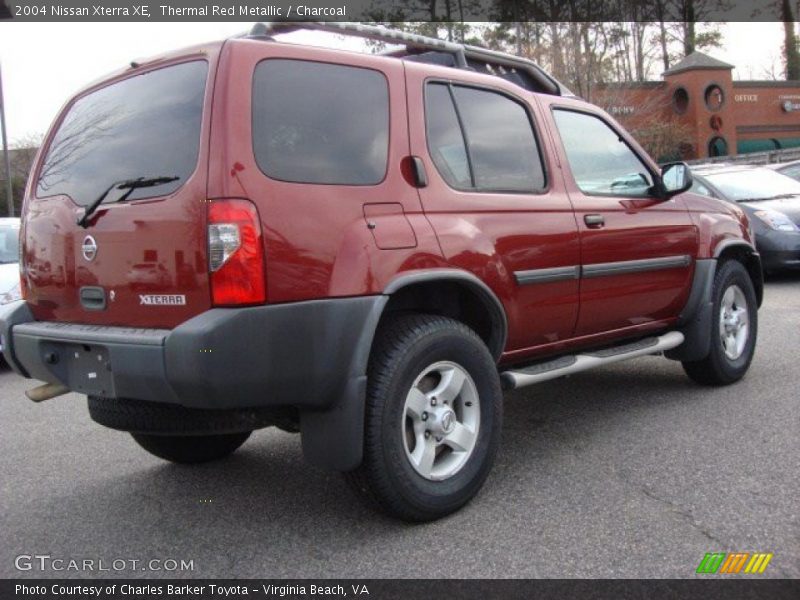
(416, 357)
(162, 418)
(729, 358)
(191, 449)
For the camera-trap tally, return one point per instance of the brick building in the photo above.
(715, 115)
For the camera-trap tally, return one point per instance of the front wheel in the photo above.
(734, 327)
(433, 418)
(191, 449)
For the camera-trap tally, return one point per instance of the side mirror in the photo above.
(676, 178)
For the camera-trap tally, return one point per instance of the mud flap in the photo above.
(334, 439)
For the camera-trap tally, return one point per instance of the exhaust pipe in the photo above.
(47, 391)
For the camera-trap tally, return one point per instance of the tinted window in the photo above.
(9, 242)
(500, 152)
(144, 126)
(600, 160)
(445, 141)
(320, 123)
(500, 140)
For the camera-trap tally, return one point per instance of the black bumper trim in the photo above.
(299, 354)
(73, 332)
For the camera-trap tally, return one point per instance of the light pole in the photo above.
(9, 193)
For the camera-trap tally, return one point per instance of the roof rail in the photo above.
(521, 71)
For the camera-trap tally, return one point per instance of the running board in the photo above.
(566, 365)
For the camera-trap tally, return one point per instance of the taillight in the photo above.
(235, 253)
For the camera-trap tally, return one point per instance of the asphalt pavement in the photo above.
(626, 471)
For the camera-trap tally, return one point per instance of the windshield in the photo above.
(144, 126)
(9, 243)
(753, 184)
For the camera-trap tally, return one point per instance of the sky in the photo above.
(43, 64)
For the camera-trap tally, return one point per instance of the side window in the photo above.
(320, 123)
(793, 172)
(445, 140)
(600, 160)
(482, 140)
(699, 188)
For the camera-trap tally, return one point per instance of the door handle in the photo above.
(594, 221)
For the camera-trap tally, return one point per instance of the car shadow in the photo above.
(267, 489)
(782, 278)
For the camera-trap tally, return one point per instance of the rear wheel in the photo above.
(189, 449)
(433, 418)
(734, 327)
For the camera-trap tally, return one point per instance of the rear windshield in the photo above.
(9, 243)
(145, 126)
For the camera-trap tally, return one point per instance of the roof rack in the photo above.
(521, 71)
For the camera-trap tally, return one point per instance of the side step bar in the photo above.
(567, 365)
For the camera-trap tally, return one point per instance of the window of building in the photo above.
(600, 160)
(714, 97)
(680, 100)
(482, 140)
(717, 146)
(320, 123)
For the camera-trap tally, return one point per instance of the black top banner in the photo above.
(392, 11)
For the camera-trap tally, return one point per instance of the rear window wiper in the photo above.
(128, 184)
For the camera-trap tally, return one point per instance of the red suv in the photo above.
(362, 248)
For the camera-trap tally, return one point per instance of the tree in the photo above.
(791, 53)
(444, 19)
(653, 124)
(21, 157)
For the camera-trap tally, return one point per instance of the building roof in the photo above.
(697, 60)
(766, 84)
(629, 85)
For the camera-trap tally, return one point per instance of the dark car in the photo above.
(368, 249)
(771, 201)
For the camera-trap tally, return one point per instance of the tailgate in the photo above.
(141, 259)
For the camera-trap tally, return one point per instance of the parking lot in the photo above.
(626, 471)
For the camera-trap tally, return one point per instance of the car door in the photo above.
(637, 251)
(492, 199)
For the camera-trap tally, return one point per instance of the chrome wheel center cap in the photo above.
(448, 421)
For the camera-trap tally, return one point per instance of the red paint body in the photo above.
(324, 241)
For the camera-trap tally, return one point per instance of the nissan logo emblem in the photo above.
(89, 248)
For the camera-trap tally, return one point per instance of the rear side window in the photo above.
(447, 147)
(482, 140)
(144, 126)
(320, 123)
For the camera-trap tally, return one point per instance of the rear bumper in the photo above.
(303, 354)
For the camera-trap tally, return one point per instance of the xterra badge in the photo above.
(162, 299)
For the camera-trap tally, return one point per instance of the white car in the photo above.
(9, 265)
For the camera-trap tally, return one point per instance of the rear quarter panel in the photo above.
(316, 236)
